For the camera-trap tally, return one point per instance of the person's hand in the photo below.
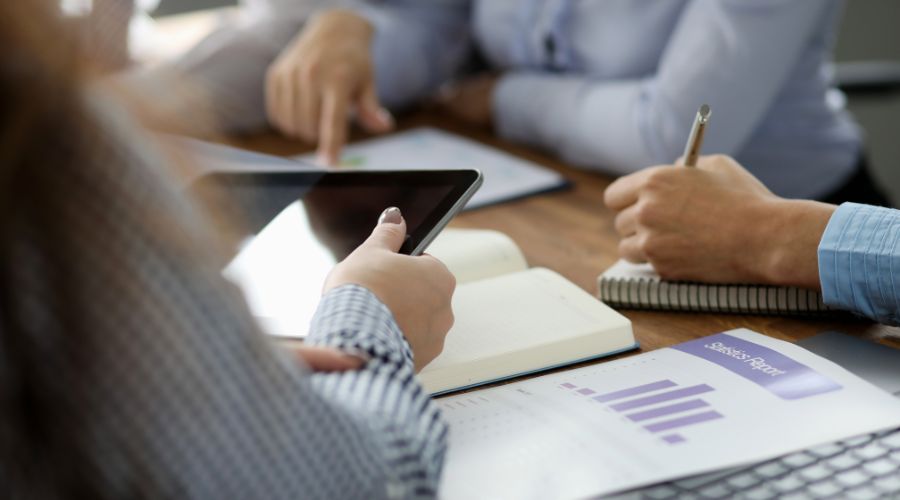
(417, 290)
(470, 100)
(716, 223)
(323, 75)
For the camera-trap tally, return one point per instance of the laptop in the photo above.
(861, 467)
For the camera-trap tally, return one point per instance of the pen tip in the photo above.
(704, 112)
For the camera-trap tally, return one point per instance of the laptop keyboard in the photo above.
(859, 468)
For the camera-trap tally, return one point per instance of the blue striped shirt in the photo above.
(859, 261)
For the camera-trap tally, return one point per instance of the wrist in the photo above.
(789, 242)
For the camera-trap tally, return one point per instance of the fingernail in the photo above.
(391, 215)
(386, 118)
(327, 160)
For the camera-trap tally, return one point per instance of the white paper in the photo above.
(565, 436)
(505, 176)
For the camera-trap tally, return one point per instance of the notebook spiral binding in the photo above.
(642, 293)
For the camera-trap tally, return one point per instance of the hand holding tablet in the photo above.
(301, 224)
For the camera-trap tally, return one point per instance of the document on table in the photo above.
(721, 401)
(506, 177)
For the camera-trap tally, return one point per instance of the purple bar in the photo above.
(634, 391)
(662, 398)
(662, 411)
(568, 385)
(673, 439)
(683, 421)
(585, 391)
(772, 370)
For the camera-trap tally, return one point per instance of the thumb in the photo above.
(370, 113)
(390, 231)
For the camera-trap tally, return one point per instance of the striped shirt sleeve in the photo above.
(858, 255)
(386, 391)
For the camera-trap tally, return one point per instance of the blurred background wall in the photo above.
(869, 31)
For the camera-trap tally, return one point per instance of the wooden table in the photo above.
(572, 233)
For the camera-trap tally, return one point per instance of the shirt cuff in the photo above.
(351, 317)
(856, 255)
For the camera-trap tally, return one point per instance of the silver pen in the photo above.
(695, 140)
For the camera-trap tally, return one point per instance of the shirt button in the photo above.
(550, 46)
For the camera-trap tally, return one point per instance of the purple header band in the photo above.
(773, 371)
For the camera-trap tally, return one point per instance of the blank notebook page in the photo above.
(524, 311)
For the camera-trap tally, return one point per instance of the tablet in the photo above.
(300, 224)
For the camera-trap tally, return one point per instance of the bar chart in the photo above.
(661, 407)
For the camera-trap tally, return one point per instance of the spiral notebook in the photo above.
(637, 286)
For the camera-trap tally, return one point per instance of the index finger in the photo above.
(328, 359)
(271, 97)
(624, 191)
(333, 125)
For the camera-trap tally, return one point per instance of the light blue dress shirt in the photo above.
(613, 85)
(859, 261)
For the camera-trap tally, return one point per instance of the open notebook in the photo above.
(637, 286)
(511, 320)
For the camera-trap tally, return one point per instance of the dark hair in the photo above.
(41, 119)
(50, 135)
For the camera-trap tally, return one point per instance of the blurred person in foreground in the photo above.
(718, 224)
(129, 367)
(610, 85)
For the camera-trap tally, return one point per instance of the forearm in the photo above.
(589, 124)
(385, 393)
